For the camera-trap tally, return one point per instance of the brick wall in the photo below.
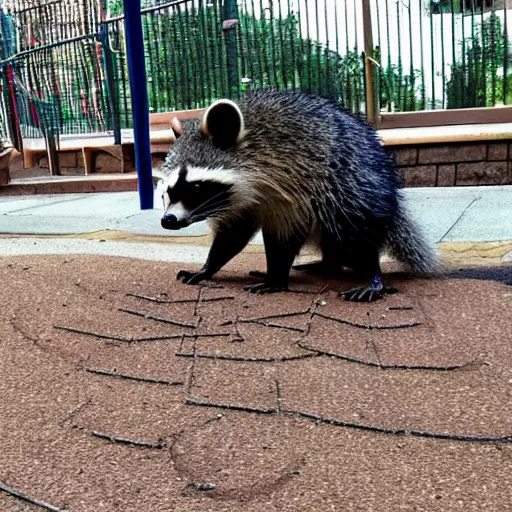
(455, 164)
(422, 165)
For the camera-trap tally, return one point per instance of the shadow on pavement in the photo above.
(499, 274)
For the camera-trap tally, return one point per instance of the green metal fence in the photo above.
(63, 64)
(442, 53)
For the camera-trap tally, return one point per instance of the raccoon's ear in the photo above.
(176, 127)
(224, 122)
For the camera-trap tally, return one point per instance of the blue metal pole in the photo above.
(140, 104)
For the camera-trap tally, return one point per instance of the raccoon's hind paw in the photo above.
(265, 288)
(363, 294)
(192, 277)
(369, 293)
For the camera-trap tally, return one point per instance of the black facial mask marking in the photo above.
(201, 198)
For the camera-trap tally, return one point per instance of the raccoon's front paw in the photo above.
(265, 288)
(193, 277)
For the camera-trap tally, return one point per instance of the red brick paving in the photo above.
(229, 460)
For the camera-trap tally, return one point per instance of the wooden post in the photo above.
(372, 114)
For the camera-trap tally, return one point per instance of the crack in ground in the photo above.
(459, 218)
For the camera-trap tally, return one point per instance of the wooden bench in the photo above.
(161, 137)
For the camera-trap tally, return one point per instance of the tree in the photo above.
(475, 81)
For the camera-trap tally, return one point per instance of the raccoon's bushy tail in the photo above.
(408, 245)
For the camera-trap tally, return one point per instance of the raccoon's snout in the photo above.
(177, 216)
(170, 221)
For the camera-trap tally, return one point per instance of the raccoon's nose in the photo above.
(170, 221)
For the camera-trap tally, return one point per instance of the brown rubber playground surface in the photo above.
(400, 405)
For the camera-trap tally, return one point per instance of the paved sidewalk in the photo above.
(124, 389)
(469, 215)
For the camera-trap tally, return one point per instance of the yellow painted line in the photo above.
(467, 253)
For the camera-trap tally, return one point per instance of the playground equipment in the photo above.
(67, 80)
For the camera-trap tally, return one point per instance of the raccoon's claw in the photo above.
(366, 294)
(265, 288)
(192, 277)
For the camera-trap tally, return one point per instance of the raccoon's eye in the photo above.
(196, 187)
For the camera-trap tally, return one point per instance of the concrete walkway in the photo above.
(469, 215)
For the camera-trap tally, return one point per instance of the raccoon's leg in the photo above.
(365, 259)
(280, 255)
(330, 265)
(229, 240)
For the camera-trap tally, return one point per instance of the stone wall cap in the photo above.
(445, 134)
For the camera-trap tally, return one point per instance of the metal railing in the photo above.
(422, 54)
(442, 53)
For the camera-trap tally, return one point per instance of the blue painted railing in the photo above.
(139, 93)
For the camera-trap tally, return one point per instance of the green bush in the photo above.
(475, 81)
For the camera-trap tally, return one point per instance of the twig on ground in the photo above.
(186, 335)
(197, 301)
(150, 316)
(240, 359)
(114, 439)
(130, 339)
(230, 407)
(400, 308)
(350, 359)
(368, 326)
(237, 337)
(277, 315)
(192, 372)
(401, 432)
(71, 415)
(358, 426)
(272, 324)
(32, 501)
(178, 301)
(383, 366)
(112, 337)
(118, 375)
(312, 310)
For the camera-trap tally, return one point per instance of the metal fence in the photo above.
(63, 64)
(443, 53)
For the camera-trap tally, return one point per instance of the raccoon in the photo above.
(301, 169)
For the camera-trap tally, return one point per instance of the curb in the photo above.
(490, 254)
